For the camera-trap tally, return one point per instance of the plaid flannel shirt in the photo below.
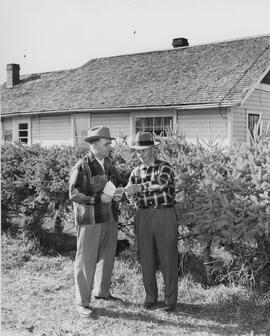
(87, 181)
(161, 177)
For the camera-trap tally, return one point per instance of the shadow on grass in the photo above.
(232, 318)
(245, 315)
(149, 316)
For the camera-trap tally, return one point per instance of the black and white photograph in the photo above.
(135, 167)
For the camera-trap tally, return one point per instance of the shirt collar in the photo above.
(143, 165)
(100, 161)
(92, 158)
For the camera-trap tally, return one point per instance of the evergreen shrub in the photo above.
(222, 198)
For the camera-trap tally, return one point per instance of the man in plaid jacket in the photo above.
(151, 188)
(95, 217)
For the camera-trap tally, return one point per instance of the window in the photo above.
(23, 132)
(253, 120)
(156, 125)
(81, 125)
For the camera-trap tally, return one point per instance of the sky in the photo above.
(49, 35)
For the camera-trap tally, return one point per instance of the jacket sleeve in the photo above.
(75, 187)
(133, 199)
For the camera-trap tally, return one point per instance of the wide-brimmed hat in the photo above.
(144, 140)
(98, 133)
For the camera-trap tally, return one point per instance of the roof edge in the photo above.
(173, 49)
(121, 109)
(250, 91)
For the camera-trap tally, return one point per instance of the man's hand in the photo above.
(132, 189)
(85, 199)
(106, 198)
(118, 194)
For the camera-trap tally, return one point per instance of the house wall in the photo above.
(58, 129)
(51, 129)
(118, 123)
(258, 103)
(205, 124)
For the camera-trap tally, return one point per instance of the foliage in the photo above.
(222, 195)
(224, 200)
(35, 186)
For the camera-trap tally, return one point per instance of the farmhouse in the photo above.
(217, 90)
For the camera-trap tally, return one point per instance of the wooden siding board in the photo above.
(239, 124)
(195, 124)
(51, 129)
(258, 102)
(118, 123)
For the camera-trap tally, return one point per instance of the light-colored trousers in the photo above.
(96, 247)
(156, 231)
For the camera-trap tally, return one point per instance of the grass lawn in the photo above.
(38, 299)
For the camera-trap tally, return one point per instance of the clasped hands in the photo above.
(136, 188)
(130, 190)
(106, 198)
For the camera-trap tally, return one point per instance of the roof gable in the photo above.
(218, 73)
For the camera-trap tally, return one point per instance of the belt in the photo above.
(161, 206)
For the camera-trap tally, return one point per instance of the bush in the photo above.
(35, 186)
(224, 200)
(222, 195)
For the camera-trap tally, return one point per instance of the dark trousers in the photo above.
(156, 231)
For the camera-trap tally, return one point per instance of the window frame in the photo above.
(17, 136)
(171, 114)
(249, 134)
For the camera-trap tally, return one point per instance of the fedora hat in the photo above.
(98, 133)
(144, 140)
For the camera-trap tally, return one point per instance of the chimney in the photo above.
(180, 42)
(13, 74)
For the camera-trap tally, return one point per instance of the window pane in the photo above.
(23, 133)
(158, 125)
(23, 126)
(168, 121)
(168, 124)
(139, 125)
(24, 140)
(149, 125)
(252, 121)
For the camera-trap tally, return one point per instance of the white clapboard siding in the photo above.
(51, 129)
(118, 123)
(204, 124)
(7, 124)
(257, 103)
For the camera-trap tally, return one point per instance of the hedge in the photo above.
(222, 194)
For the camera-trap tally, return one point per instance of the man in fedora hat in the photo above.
(95, 220)
(151, 188)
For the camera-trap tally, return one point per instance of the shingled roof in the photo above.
(220, 73)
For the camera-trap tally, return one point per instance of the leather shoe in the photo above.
(109, 298)
(84, 311)
(149, 305)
